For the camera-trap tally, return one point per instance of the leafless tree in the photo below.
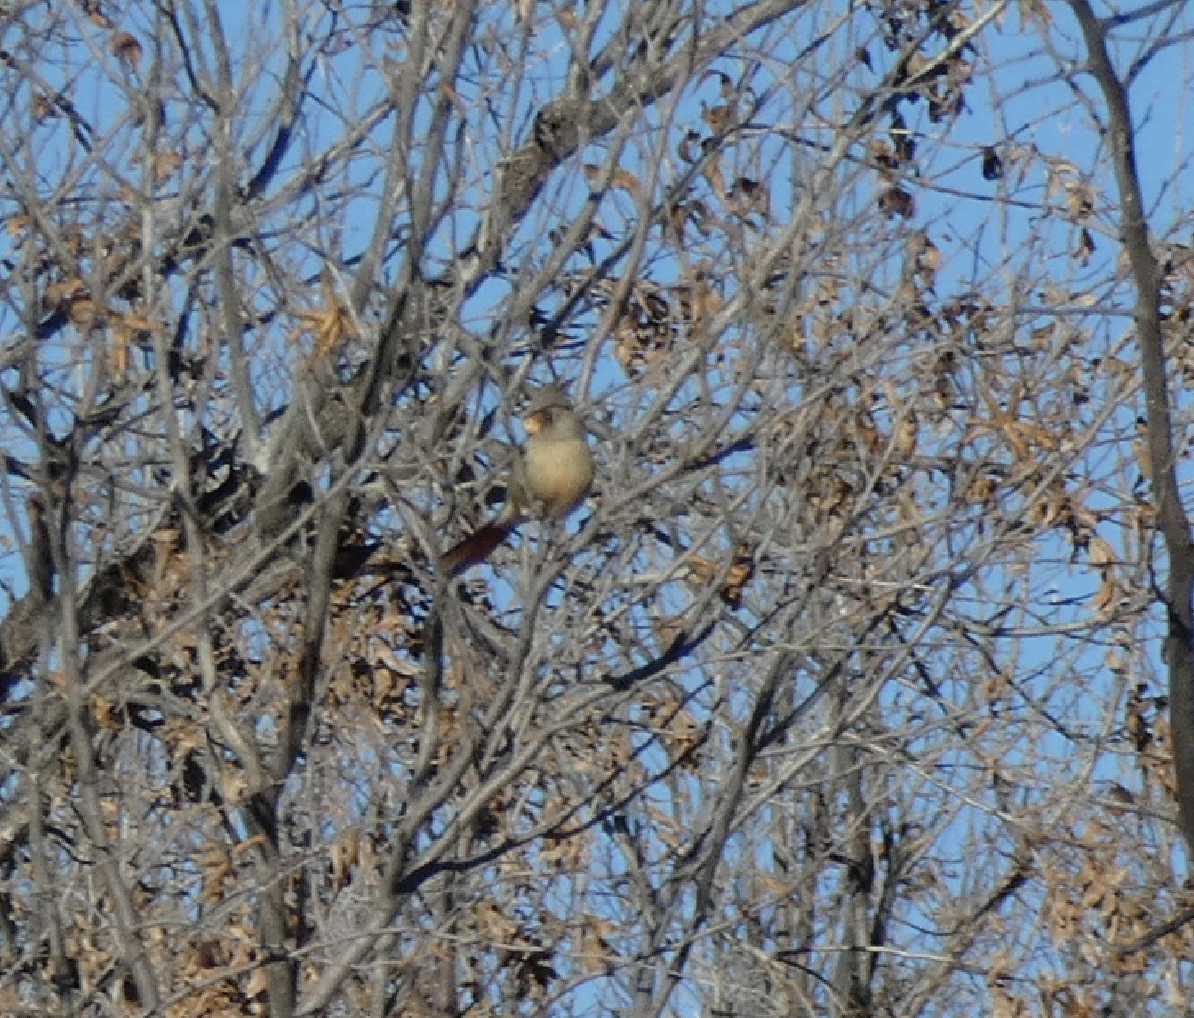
(843, 693)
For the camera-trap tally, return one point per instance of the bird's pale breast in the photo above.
(558, 472)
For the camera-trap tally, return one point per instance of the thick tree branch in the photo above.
(1172, 520)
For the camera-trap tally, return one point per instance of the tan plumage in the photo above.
(551, 476)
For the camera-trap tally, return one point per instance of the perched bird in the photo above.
(550, 476)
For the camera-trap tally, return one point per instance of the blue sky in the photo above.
(1034, 117)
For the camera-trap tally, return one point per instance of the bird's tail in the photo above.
(477, 547)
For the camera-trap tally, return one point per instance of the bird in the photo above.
(550, 476)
